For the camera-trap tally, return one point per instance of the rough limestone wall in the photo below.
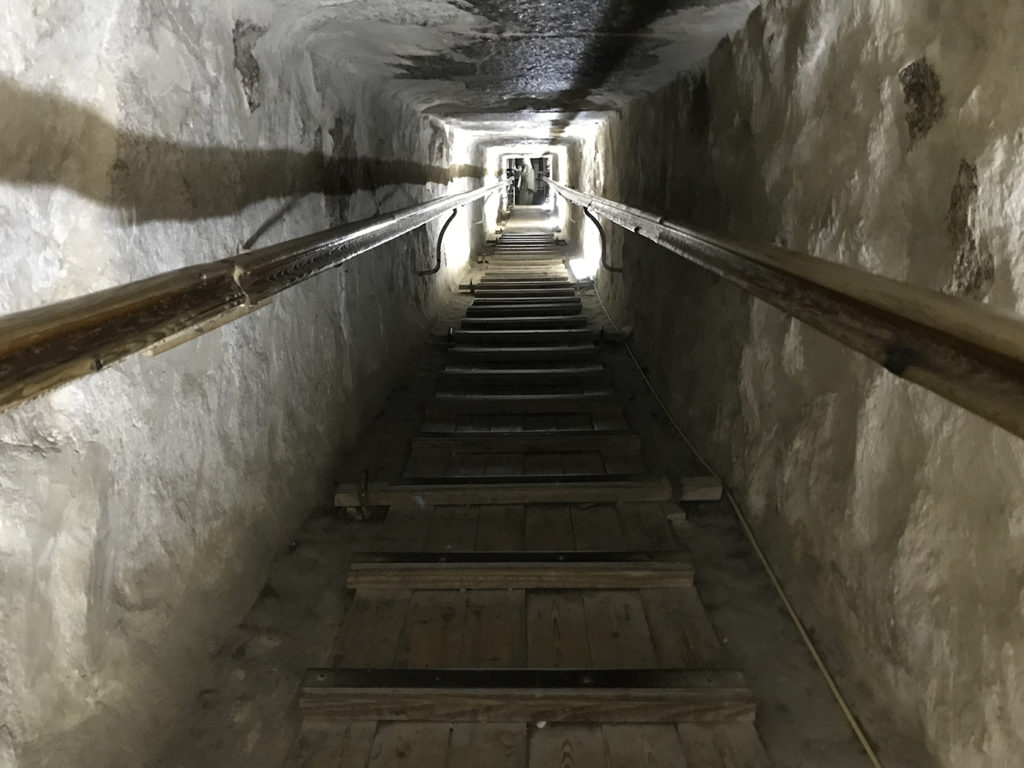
(884, 135)
(140, 506)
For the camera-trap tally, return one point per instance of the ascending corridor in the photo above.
(522, 590)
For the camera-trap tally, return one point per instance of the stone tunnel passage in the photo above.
(170, 561)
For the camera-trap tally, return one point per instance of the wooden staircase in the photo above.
(527, 602)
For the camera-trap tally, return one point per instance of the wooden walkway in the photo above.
(527, 602)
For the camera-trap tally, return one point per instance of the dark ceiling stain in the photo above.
(554, 54)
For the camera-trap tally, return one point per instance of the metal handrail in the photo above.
(48, 346)
(970, 353)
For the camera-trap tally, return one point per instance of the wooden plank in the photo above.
(556, 630)
(567, 747)
(643, 746)
(521, 570)
(500, 528)
(617, 630)
(525, 310)
(523, 375)
(504, 464)
(520, 294)
(625, 464)
(494, 633)
(346, 746)
(542, 464)
(432, 636)
(447, 403)
(488, 745)
(582, 463)
(425, 463)
(581, 491)
(452, 528)
(596, 527)
(520, 336)
(522, 442)
(548, 527)
(733, 745)
(683, 637)
(646, 526)
(404, 529)
(517, 695)
(698, 488)
(513, 323)
(416, 745)
(372, 628)
(461, 465)
(532, 354)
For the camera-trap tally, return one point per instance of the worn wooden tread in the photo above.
(497, 336)
(522, 442)
(521, 570)
(525, 322)
(445, 402)
(521, 310)
(557, 490)
(531, 695)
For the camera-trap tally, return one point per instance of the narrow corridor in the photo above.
(521, 591)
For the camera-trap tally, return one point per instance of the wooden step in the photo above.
(523, 293)
(520, 570)
(524, 442)
(445, 403)
(493, 337)
(546, 309)
(501, 301)
(525, 323)
(558, 490)
(523, 282)
(530, 354)
(524, 379)
(526, 695)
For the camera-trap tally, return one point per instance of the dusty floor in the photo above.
(247, 712)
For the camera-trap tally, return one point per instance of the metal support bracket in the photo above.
(440, 238)
(604, 250)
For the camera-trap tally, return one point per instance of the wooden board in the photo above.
(403, 530)
(451, 528)
(508, 570)
(683, 637)
(511, 695)
(645, 526)
(488, 745)
(372, 629)
(556, 630)
(617, 630)
(500, 528)
(643, 746)
(347, 746)
(381, 494)
(454, 403)
(596, 527)
(568, 747)
(548, 528)
(733, 745)
(494, 632)
(416, 745)
(432, 635)
(520, 442)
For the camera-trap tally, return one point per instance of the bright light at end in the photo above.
(584, 268)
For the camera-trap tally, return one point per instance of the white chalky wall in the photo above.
(886, 136)
(140, 506)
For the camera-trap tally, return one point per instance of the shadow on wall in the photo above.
(49, 140)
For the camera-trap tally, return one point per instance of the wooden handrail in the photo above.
(48, 346)
(970, 353)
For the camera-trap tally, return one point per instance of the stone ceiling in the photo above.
(486, 63)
